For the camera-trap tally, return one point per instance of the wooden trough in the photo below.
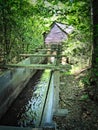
(14, 80)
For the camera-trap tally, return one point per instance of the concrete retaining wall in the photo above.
(13, 81)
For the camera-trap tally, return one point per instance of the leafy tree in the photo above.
(23, 23)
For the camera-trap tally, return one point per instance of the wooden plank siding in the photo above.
(58, 33)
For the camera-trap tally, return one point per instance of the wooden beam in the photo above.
(37, 55)
(36, 66)
(40, 55)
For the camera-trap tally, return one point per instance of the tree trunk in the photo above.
(94, 81)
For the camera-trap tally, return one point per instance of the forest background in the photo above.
(23, 22)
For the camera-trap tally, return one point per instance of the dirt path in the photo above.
(83, 112)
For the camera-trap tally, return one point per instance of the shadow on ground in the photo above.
(83, 112)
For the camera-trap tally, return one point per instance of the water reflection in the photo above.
(32, 114)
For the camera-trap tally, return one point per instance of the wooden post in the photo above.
(59, 51)
(56, 83)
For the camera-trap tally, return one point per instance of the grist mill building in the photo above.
(58, 33)
(53, 39)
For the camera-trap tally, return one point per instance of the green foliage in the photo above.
(79, 45)
(86, 80)
(22, 23)
(84, 97)
(13, 24)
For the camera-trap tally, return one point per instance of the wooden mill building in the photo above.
(56, 36)
(58, 33)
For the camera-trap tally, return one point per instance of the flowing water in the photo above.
(26, 110)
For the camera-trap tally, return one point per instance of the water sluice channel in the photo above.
(33, 108)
